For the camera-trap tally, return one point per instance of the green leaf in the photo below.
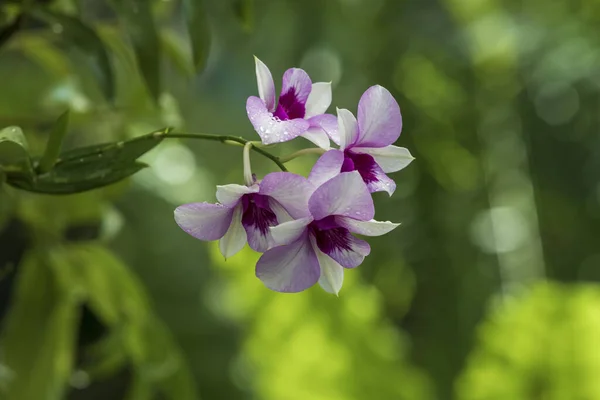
(14, 155)
(87, 41)
(92, 167)
(118, 298)
(244, 11)
(40, 333)
(199, 32)
(139, 23)
(174, 49)
(54, 143)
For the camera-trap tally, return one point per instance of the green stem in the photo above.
(290, 157)
(227, 139)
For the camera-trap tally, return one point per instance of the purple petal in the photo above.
(230, 195)
(389, 158)
(347, 127)
(381, 182)
(257, 218)
(297, 81)
(269, 129)
(288, 232)
(345, 195)
(290, 190)
(291, 268)
(332, 273)
(266, 87)
(257, 239)
(328, 123)
(319, 99)
(369, 170)
(339, 244)
(379, 118)
(327, 167)
(204, 221)
(366, 228)
(235, 237)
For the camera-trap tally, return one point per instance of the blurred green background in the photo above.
(487, 291)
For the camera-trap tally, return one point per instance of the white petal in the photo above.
(318, 137)
(319, 99)
(366, 228)
(266, 87)
(289, 231)
(346, 195)
(235, 238)
(229, 195)
(280, 212)
(347, 128)
(389, 158)
(332, 273)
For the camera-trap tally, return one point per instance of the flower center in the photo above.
(329, 235)
(256, 212)
(363, 163)
(289, 107)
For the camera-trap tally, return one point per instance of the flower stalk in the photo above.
(228, 139)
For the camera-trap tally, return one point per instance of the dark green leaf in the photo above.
(139, 23)
(76, 179)
(40, 333)
(88, 42)
(54, 143)
(199, 32)
(92, 167)
(244, 11)
(8, 31)
(14, 155)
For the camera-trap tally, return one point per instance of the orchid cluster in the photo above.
(305, 226)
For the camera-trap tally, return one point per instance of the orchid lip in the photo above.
(257, 212)
(329, 235)
(363, 163)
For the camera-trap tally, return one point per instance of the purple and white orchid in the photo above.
(300, 110)
(245, 213)
(366, 144)
(318, 246)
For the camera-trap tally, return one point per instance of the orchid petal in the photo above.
(291, 268)
(329, 124)
(266, 87)
(290, 190)
(332, 273)
(269, 129)
(288, 232)
(382, 182)
(389, 158)
(347, 128)
(351, 256)
(318, 137)
(319, 99)
(366, 228)
(296, 79)
(204, 221)
(280, 213)
(379, 118)
(231, 194)
(235, 238)
(257, 240)
(327, 166)
(345, 195)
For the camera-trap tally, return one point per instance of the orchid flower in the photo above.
(318, 247)
(245, 213)
(300, 110)
(366, 144)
